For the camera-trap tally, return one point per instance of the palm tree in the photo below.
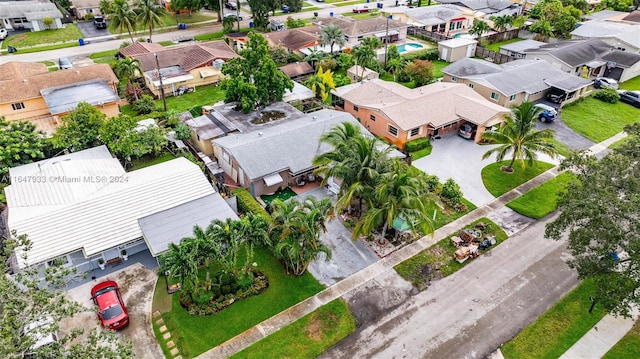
(180, 260)
(395, 65)
(371, 41)
(479, 27)
(518, 135)
(122, 17)
(149, 14)
(398, 194)
(332, 35)
(256, 229)
(314, 56)
(128, 69)
(227, 236)
(364, 56)
(502, 23)
(105, 7)
(203, 249)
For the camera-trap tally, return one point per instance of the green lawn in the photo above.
(361, 15)
(562, 149)
(43, 48)
(205, 95)
(496, 45)
(70, 32)
(619, 143)
(499, 183)
(348, 3)
(169, 20)
(628, 346)
(150, 161)
(307, 337)
(438, 65)
(557, 329)
(598, 120)
(633, 84)
(387, 76)
(438, 260)
(51, 66)
(543, 199)
(194, 335)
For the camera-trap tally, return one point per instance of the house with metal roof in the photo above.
(517, 81)
(85, 208)
(400, 114)
(589, 58)
(29, 15)
(28, 91)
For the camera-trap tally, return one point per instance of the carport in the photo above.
(572, 86)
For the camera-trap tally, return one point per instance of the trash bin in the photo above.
(182, 26)
(379, 5)
(251, 24)
(11, 49)
(81, 42)
(331, 14)
(315, 14)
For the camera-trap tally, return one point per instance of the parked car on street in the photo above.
(360, 8)
(64, 63)
(467, 131)
(630, 97)
(233, 16)
(112, 312)
(547, 113)
(3, 34)
(231, 5)
(601, 82)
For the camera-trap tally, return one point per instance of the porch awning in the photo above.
(383, 34)
(595, 63)
(273, 179)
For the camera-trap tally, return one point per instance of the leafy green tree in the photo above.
(128, 69)
(341, 80)
(502, 23)
(119, 136)
(254, 79)
(144, 105)
(295, 5)
(299, 226)
(215, 6)
(153, 140)
(619, 5)
(519, 137)
(149, 14)
(105, 7)
(279, 54)
(321, 83)
(79, 129)
(332, 35)
(364, 56)
(479, 27)
(392, 53)
(542, 27)
(25, 300)
(227, 24)
(183, 132)
(292, 23)
(122, 17)
(371, 41)
(600, 212)
(420, 71)
(260, 11)
(20, 143)
(47, 21)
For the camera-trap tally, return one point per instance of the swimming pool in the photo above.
(410, 46)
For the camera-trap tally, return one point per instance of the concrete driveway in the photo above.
(461, 159)
(562, 132)
(136, 283)
(89, 30)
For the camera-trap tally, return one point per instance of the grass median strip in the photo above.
(543, 199)
(498, 182)
(307, 337)
(628, 346)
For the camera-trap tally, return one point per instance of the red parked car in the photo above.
(111, 309)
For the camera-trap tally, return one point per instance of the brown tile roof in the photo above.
(138, 48)
(633, 16)
(188, 57)
(296, 69)
(29, 87)
(19, 70)
(294, 39)
(352, 27)
(436, 104)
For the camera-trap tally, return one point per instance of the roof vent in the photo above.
(259, 133)
(314, 117)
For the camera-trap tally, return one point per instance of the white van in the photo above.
(40, 332)
(360, 8)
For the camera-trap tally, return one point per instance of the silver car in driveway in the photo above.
(65, 63)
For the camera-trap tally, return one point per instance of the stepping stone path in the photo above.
(166, 336)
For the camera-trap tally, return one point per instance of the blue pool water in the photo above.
(409, 47)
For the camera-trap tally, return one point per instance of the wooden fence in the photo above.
(427, 35)
(492, 56)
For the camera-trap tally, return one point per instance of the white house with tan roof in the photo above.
(400, 114)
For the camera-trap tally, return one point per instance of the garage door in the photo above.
(614, 73)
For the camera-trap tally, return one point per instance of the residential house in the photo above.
(589, 58)
(399, 114)
(517, 81)
(89, 209)
(517, 49)
(488, 7)
(183, 67)
(437, 18)
(355, 30)
(297, 71)
(357, 73)
(29, 15)
(141, 48)
(28, 91)
(237, 40)
(456, 48)
(620, 30)
(294, 40)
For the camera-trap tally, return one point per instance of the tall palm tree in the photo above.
(518, 136)
(204, 250)
(314, 56)
(502, 23)
(395, 65)
(364, 56)
(122, 17)
(149, 14)
(332, 35)
(479, 27)
(371, 41)
(180, 260)
(227, 236)
(128, 69)
(256, 233)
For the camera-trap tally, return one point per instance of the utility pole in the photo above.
(164, 99)
(386, 41)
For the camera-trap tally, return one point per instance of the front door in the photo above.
(111, 253)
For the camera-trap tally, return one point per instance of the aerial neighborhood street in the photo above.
(319, 179)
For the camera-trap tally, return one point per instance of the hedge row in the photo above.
(248, 204)
(417, 144)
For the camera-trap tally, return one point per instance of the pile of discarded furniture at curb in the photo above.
(469, 243)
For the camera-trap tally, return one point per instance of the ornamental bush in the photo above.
(417, 144)
(607, 94)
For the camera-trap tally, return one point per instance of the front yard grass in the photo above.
(70, 32)
(499, 183)
(558, 328)
(204, 95)
(543, 199)
(194, 335)
(628, 346)
(632, 84)
(438, 261)
(598, 120)
(147, 161)
(307, 337)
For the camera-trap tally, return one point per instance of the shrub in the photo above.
(341, 80)
(607, 94)
(328, 64)
(429, 54)
(451, 193)
(89, 16)
(248, 204)
(417, 144)
(144, 105)
(345, 60)
(183, 132)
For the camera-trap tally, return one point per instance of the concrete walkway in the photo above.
(342, 287)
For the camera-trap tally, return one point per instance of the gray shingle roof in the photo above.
(520, 46)
(579, 52)
(486, 6)
(32, 10)
(433, 15)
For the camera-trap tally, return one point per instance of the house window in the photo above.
(471, 85)
(360, 38)
(495, 96)
(454, 79)
(355, 108)
(372, 118)
(59, 261)
(393, 130)
(459, 25)
(512, 97)
(89, 11)
(414, 132)
(17, 106)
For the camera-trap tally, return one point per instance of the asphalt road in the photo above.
(466, 315)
